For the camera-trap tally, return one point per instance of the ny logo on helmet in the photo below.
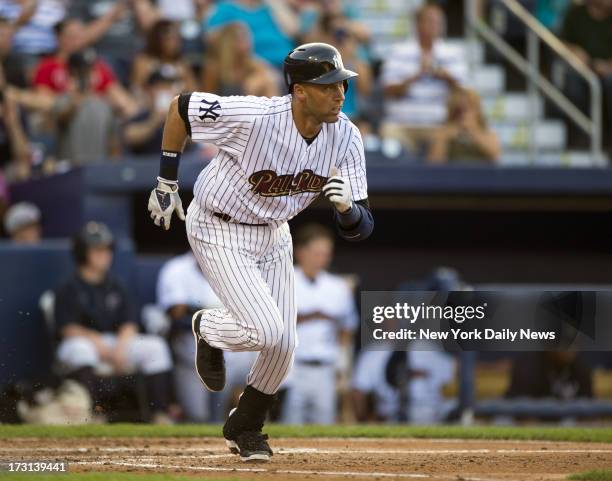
(209, 110)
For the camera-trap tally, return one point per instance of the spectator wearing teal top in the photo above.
(271, 22)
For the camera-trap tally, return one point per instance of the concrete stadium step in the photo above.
(549, 135)
(549, 159)
(511, 107)
(489, 80)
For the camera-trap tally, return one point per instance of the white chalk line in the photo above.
(311, 450)
(284, 471)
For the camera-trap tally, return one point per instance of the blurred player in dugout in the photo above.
(96, 322)
(326, 321)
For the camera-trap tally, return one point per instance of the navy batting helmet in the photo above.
(315, 63)
(93, 234)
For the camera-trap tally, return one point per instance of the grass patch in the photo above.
(107, 476)
(603, 435)
(598, 475)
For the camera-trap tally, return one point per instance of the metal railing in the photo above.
(529, 67)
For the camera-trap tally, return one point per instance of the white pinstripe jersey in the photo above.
(265, 172)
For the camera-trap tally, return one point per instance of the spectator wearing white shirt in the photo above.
(417, 78)
(181, 290)
(327, 319)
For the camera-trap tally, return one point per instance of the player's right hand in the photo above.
(163, 201)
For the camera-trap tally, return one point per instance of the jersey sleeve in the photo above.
(223, 121)
(353, 166)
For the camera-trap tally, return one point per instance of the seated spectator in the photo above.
(143, 133)
(22, 223)
(84, 95)
(272, 24)
(560, 375)
(15, 149)
(162, 50)
(587, 31)
(96, 323)
(181, 291)
(335, 29)
(465, 136)
(417, 78)
(326, 321)
(231, 68)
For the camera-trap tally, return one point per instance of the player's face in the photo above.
(324, 102)
(100, 258)
(316, 255)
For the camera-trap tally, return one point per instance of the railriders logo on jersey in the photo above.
(269, 184)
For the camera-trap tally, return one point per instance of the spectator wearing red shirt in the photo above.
(86, 97)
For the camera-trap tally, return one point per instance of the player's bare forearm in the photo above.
(175, 134)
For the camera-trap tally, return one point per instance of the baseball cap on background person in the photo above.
(22, 223)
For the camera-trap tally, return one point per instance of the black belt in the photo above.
(227, 218)
(315, 363)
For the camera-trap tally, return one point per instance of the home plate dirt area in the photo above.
(322, 458)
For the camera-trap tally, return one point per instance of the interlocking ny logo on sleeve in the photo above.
(209, 110)
(268, 183)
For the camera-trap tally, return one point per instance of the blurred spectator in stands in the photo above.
(465, 136)
(551, 13)
(587, 31)
(181, 291)
(562, 375)
(15, 149)
(402, 385)
(336, 29)
(190, 16)
(272, 23)
(97, 323)
(232, 69)
(326, 321)
(162, 50)
(417, 78)
(11, 65)
(22, 223)
(312, 13)
(114, 28)
(84, 92)
(33, 22)
(142, 134)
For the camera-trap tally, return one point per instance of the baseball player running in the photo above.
(276, 155)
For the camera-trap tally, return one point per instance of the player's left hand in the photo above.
(164, 201)
(338, 191)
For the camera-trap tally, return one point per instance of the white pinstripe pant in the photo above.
(250, 268)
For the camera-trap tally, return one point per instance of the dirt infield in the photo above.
(323, 458)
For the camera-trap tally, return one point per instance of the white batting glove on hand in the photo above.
(338, 191)
(164, 201)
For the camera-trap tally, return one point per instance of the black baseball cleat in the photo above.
(209, 361)
(252, 446)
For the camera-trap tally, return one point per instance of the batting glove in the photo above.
(163, 201)
(338, 191)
